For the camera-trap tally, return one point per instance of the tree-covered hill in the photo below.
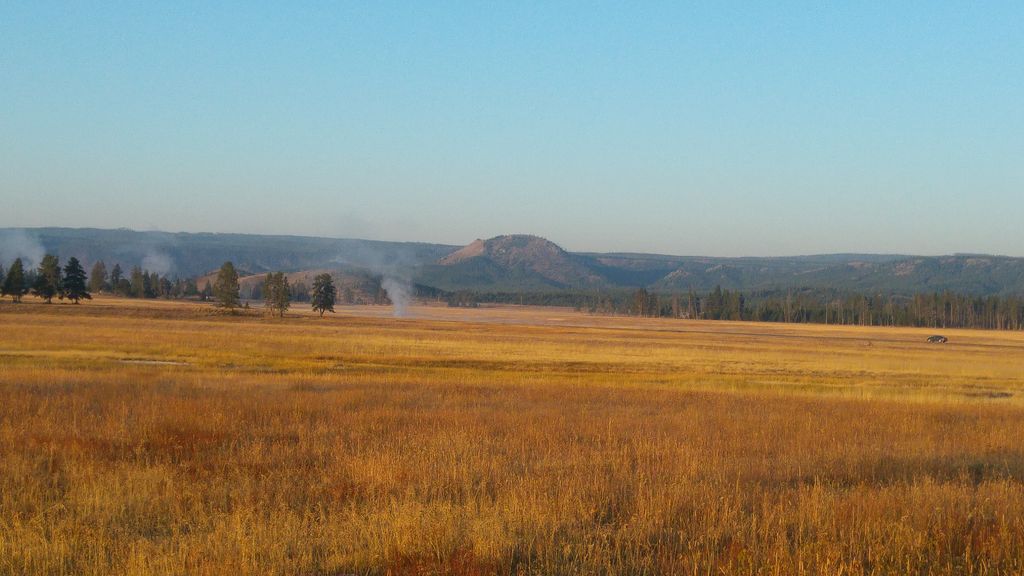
(517, 263)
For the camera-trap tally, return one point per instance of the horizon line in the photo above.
(458, 246)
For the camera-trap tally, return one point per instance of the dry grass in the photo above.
(528, 441)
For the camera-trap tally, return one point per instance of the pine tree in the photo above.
(138, 283)
(324, 294)
(2, 275)
(225, 289)
(268, 292)
(14, 283)
(284, 294)
(74, 287)
(116, 275)
(153, 286)
(98, 277)
(276, 293)
(47, 283)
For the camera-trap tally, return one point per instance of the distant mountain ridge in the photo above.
(521, 263)
(194, 254)
(513, 261)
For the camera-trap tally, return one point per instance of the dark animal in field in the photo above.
(938, 339)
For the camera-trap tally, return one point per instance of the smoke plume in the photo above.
(396, 268)
(19, 244)
(158, 262)
(399, 292)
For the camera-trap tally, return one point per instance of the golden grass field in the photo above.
(165, 438)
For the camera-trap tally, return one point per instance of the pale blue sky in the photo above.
(689, 128)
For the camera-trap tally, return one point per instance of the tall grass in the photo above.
(369, 446)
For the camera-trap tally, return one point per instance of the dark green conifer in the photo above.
(47, 283)
(74, 287)
(14, 282)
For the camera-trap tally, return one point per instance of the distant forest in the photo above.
(932, 310)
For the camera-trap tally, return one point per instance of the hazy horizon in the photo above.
(468, 241)
(715, 130)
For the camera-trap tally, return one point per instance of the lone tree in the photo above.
(98, 277)
(74, 287)
(225, 288)
(276, 293)
(47, 283)
(324, 293)
(14, 283)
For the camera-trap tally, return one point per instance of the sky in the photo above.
(711, 128)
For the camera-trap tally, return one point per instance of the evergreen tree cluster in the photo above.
(931, 310)
(139, 283)
(277, 294)
(47, 282)
(71, 282)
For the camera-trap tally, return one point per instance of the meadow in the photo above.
(167, 438)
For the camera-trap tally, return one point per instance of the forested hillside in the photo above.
(520, 264)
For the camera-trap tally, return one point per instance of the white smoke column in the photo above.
(399, 292)
(395, 267)
(157, 262)
(19, 244)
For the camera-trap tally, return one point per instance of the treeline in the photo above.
(298, 292)
(275, 289)
(47, 282)
(141, 283)
(933, 310)
(473, 298)
(50, 281)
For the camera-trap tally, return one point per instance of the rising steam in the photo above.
(399, 292)
(395, 267)
(158, 262)
(19, 244)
